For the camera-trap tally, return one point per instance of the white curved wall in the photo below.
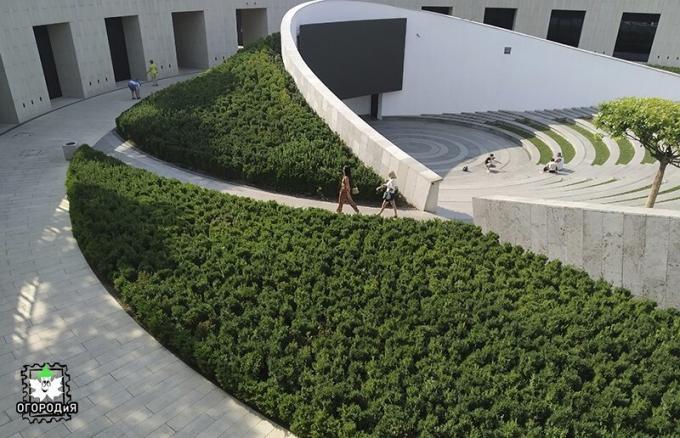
(455, 65)
(417, 183)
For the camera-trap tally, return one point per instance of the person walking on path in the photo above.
(134, 85)
(390, 194)
(346, 190)
(153, 73)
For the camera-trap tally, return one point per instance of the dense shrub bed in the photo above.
(245, 120)
(358, 326)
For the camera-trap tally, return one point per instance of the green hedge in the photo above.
(358, 326)
(245, 120)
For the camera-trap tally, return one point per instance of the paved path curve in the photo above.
(114, 146)
(53, 308)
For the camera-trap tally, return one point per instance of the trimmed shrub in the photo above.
(355, 326)
(245, 120)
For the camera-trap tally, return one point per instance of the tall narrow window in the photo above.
(636, 36)
(565, 27)
(500, 17)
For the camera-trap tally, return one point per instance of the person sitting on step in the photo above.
(490, 161)
(551, 167)
(559, 161)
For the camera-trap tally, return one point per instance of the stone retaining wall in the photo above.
(631, 247)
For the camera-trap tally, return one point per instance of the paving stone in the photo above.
(194, 427)
(216, 428)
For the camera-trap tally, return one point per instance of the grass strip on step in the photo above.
(601, 184)
(594, 185)
(578, 182)
(568, 151)
(627, 150)
(662, 192)
(545, 153)
(601, 150)
(626, 193)
(648, 158)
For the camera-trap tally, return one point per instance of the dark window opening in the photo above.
(49, 65)
(565, 27)
(446, 10)
(500, 17)
(636, 36)
(251, 25)
(118, 49)
(239, 28)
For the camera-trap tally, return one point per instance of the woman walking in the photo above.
(346, 190)
(390, 187)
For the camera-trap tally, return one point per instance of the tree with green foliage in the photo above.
(653, 122)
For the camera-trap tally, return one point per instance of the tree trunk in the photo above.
(656, 185)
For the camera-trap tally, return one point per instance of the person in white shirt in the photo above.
(490, 162)
(552, 166)
(390, 194)
(559, 161)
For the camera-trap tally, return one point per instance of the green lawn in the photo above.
(601, 150)
(568, 151)
(545, 153)
(357, 326)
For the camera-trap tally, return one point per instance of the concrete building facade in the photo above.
(55, 50)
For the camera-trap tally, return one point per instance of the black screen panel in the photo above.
(356, 58)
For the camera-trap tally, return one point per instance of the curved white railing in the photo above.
(417, 183)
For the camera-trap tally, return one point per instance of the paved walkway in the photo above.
(124, 151)
(53, 308)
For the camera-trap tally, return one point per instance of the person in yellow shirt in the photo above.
(153, 73)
